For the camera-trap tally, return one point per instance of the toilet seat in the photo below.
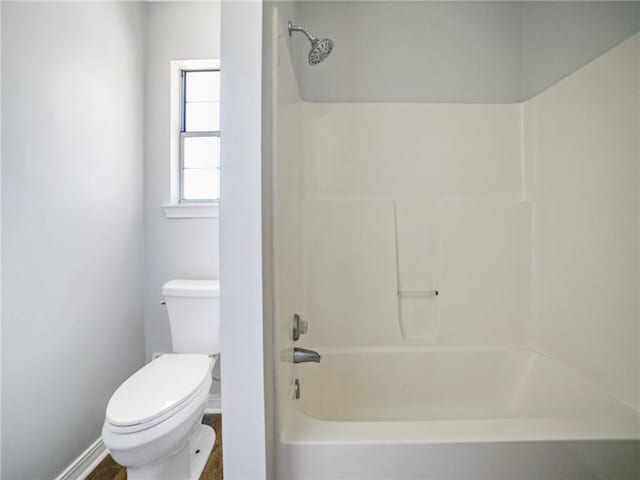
(158, 391)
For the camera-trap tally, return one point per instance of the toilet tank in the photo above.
(194, 315)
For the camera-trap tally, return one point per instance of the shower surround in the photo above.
(525, 219)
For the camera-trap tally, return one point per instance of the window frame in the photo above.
(184, 134)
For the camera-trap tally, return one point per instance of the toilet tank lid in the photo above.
(191, 288)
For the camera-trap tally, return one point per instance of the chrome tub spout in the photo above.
(302, 355)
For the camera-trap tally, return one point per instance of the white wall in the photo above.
(582, 148)
(174, 248)
(72, 232)
(244, 381)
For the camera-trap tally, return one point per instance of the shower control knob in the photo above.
(298, 327)
(303, 327)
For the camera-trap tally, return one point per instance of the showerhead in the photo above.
(320, 49)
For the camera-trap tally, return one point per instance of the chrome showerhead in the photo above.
(320, 49)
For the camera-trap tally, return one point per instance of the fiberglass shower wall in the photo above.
(485, 150)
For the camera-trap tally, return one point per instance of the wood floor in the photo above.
(110, 470)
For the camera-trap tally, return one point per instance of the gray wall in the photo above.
(72, 232)
(472, 52)
(560, 37)
(412, 51)
(174, 248)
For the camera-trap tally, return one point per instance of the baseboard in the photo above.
(88, 460)
(214, 404)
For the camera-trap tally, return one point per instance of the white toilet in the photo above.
(153, 420)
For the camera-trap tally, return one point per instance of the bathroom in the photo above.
(426, 234)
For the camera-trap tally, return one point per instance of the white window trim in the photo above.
(191, 210)
(174, 208)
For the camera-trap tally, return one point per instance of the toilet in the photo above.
(153, 423)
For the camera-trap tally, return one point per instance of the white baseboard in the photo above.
(88, 460)
(214, 404)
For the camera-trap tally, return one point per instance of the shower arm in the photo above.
(298, 28)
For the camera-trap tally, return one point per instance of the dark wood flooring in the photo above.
(110, 470)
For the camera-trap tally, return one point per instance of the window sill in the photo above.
(191, 210)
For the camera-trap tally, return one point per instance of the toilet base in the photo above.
(200, 450)
(186, 464)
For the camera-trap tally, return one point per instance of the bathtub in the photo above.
(454, 413)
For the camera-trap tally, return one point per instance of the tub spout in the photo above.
(302, 355)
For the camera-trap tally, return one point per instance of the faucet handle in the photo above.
(303, 327)
(298, 327)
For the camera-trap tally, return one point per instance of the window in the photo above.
(200, 136)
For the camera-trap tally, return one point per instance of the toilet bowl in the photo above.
(153, 423)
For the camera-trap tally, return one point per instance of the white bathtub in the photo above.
(421, 409)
